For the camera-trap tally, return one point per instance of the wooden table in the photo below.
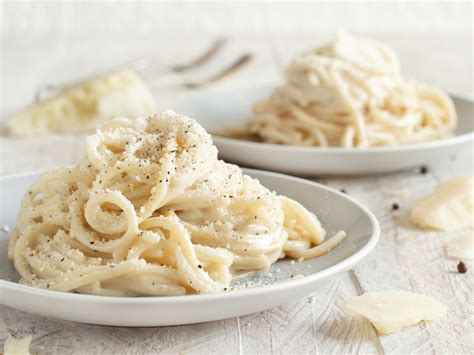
(405, 258)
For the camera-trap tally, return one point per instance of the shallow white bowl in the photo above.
(217, 110)
(336, 211)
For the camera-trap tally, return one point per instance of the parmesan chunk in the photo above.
(84, 106)
(15, 346)
(390, 311)
(461, 247)
(449, 207)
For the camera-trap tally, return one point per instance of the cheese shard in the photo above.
(450, 206)
(15, 346)
(461, 247)
(85, 106)
(390, 311)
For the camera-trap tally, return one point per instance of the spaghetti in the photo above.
(350, 93)
(151, 211)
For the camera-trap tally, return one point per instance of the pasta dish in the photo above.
(151, 211)
(350, 93)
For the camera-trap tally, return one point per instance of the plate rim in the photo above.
(421, 146)
(332, 270)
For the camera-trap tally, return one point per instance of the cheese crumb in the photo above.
(85, 105)
(449, 207)
(461, 247)
(390, 311)
(15, 346)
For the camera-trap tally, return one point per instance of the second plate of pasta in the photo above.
(220, 111)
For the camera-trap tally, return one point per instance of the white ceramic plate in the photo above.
(336, 211)
(219, 110)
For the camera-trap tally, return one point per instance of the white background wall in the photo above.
(235, 17)
(48, 42)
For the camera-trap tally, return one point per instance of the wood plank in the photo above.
(409, 259)
(314, 324)
(51, 335)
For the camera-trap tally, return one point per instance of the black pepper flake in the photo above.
(62, 259)
(462, 269)
(343, 190)
(423, 169)
(91, 242)
(225, 288)
(395, 206)
(200, 266)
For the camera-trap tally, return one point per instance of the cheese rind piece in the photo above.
(15, 346)
(450, 206)
(390, 311)
(85, 106)
(461, 247)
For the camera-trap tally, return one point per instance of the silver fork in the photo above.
(143, 63)
(178, 80)
(169, 76)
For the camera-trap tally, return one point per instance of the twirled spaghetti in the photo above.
(152, 211)
(350, 93)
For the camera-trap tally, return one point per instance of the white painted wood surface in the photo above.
(405, 258)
